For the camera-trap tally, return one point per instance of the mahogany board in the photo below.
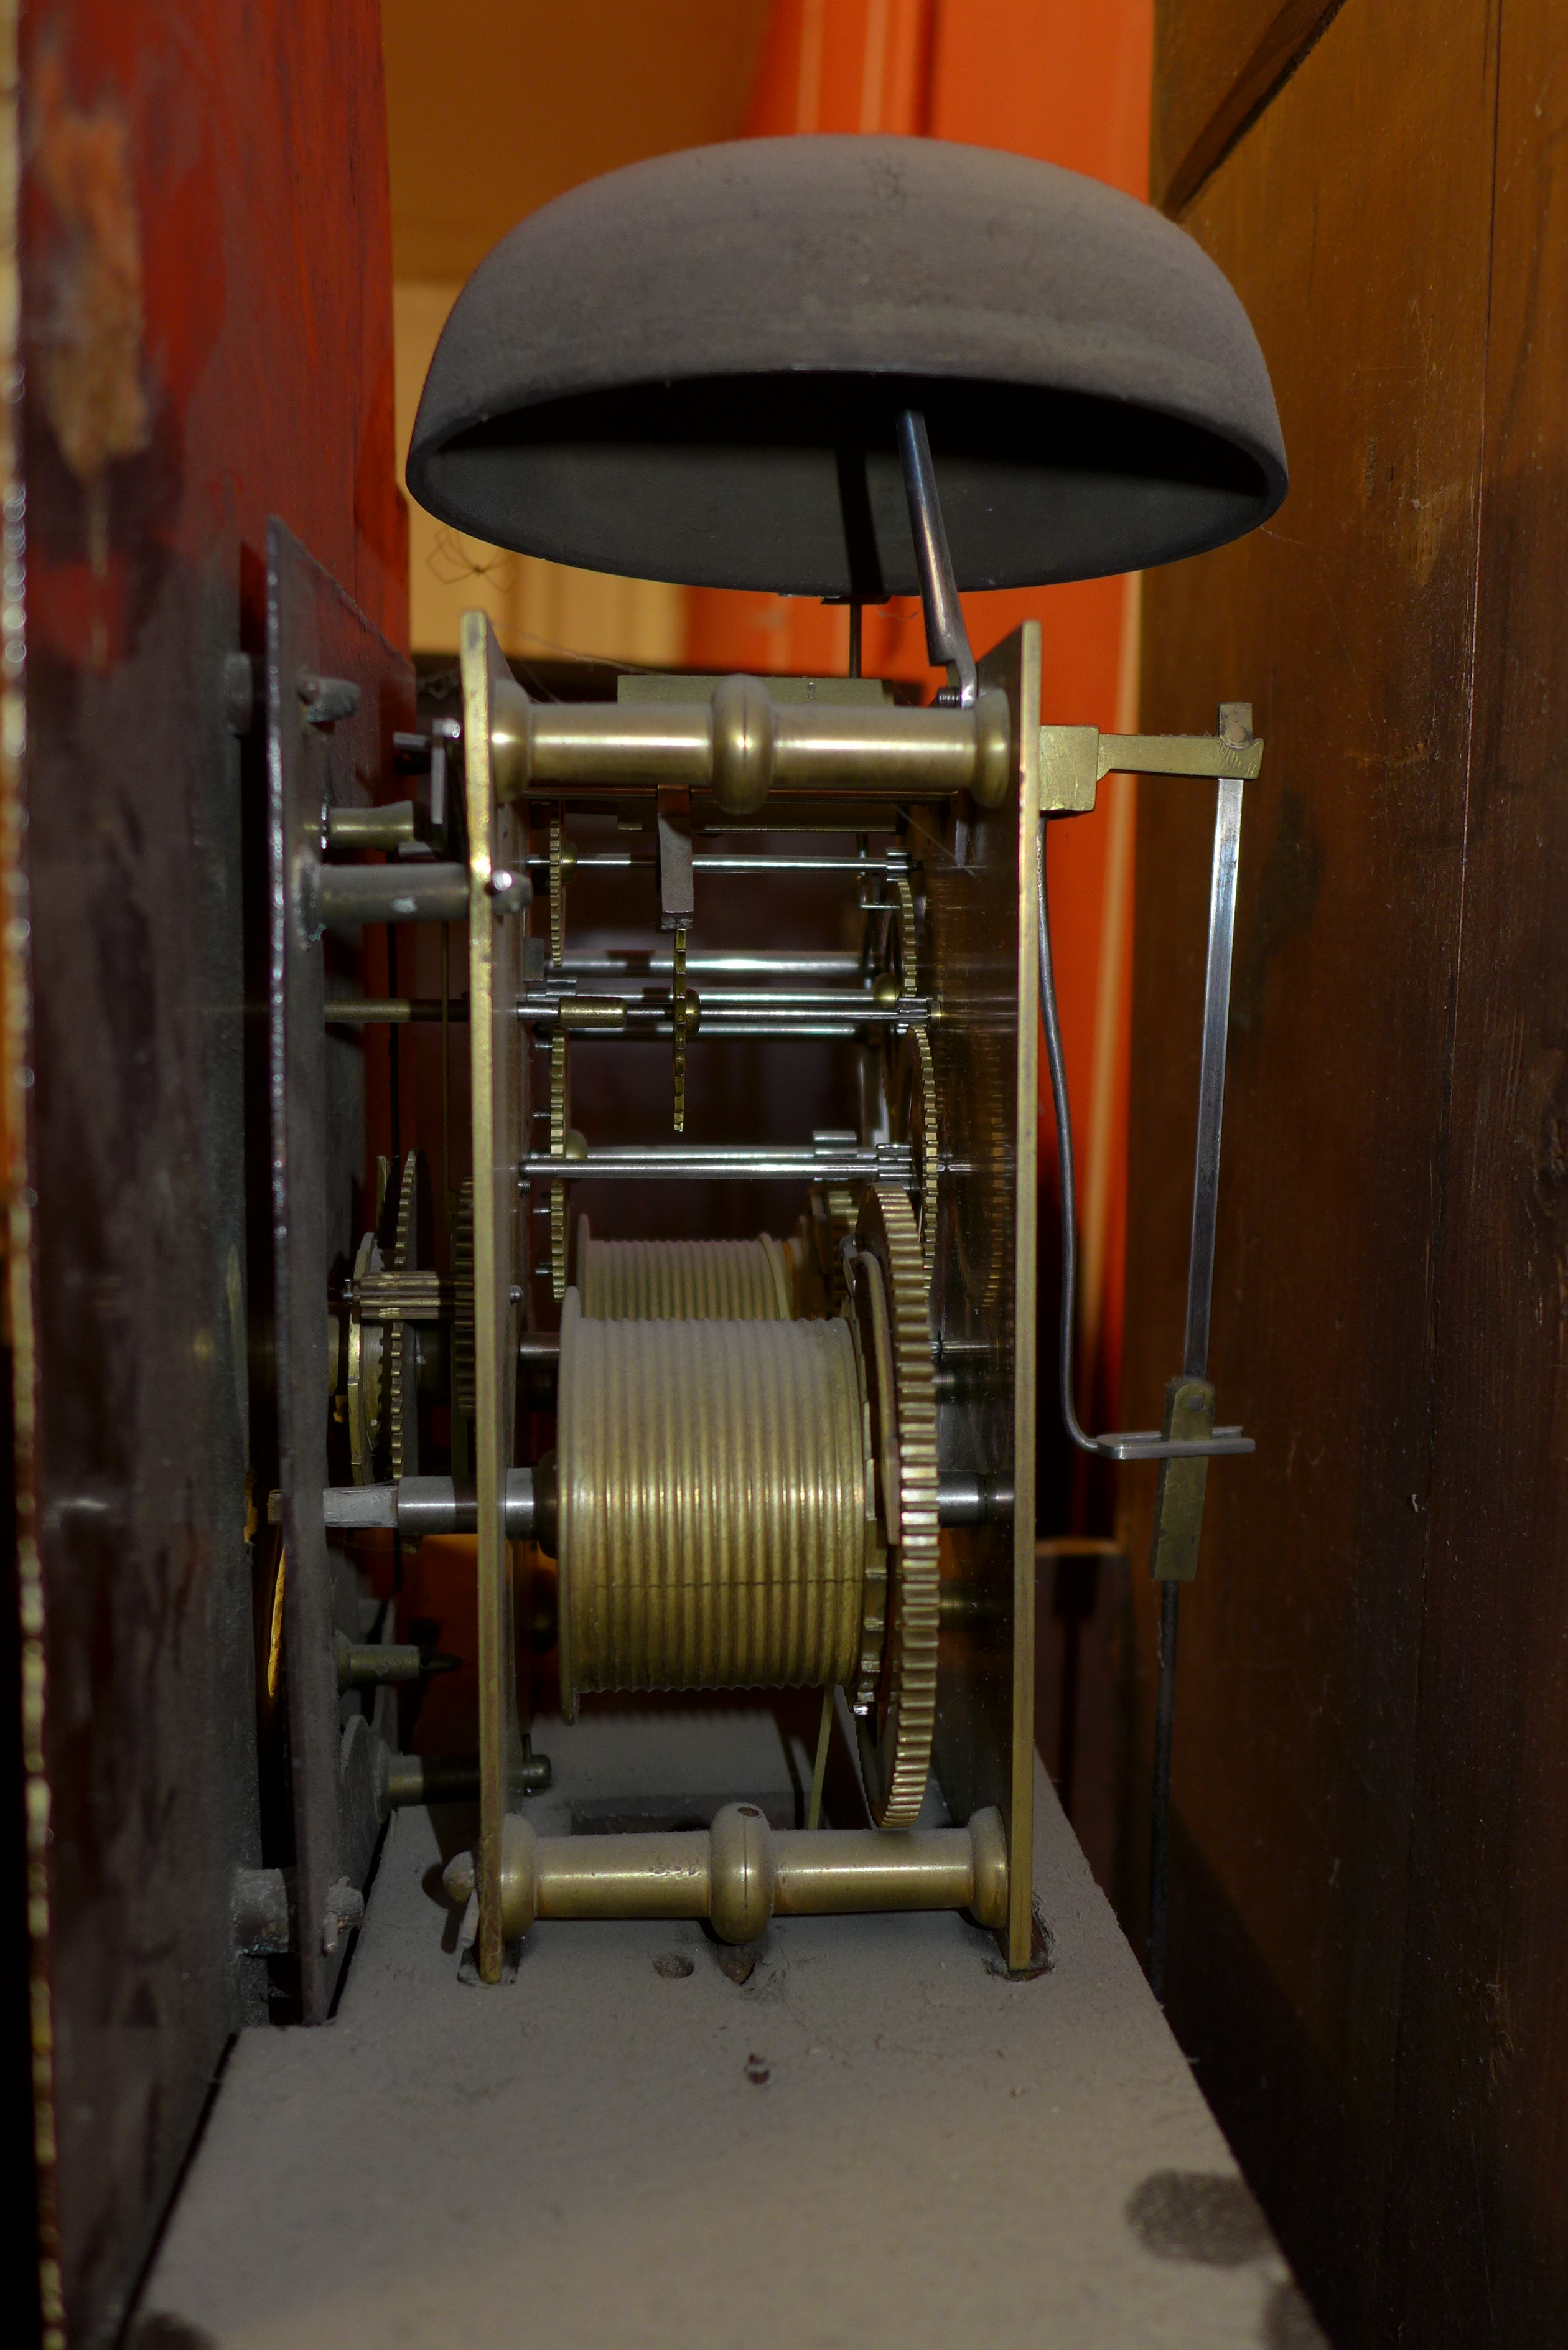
(1370, 1884)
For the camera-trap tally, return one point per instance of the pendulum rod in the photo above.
(1199, 1298)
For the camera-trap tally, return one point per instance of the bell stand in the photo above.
(1074, 760)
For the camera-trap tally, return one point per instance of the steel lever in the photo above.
(947, 639)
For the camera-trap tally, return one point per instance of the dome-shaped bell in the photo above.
(690, 370)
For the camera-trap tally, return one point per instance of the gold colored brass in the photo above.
(403, 1346)
(712, 1504)
(815, 1251)
(385, 826)
(909, 965)
(498, 1078)
(741, 1872)
(603, 1014)
(683, 1025)
(980, 968)
(742, 743)
(557, 896)
(413, 1296)
(898, 1726)
(1074, 760)
(560, 1116)
(742, 738)
(365, 1346)
(683, 1281)
(1180, 755)
(1069, 769)
(742, 1881)
(389, 1292)
(819, 1767)
(913, 1107)
(463, 1305)
(1179, 1499)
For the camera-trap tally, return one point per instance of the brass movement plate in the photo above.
(496, 842)
(982, 968)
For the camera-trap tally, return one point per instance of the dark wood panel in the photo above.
(1352, 220)
(1477, 2230)
(207, 337)
(1215, 63)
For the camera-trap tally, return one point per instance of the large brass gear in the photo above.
(889, 1298)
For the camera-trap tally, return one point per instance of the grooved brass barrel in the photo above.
(711, 1498)
(683, 1281)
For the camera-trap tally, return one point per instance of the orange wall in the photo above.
(1067, 81)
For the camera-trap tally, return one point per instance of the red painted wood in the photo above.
(1050, 78)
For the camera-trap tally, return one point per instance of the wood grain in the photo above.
(1215, 63)
(1353, 220)
(1477, 2236)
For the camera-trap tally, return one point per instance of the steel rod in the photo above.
(1122, 1444)
(1211, 1076)
(822, 1002)
(634, 962)
(417, 1507)
(946, 637)
(613, 861)
(363, 1011)
(804, 1025)
(883, 1163)
(971, 1500)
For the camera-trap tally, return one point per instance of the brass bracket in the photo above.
(1074, 760)
(1183, 1482)
(673, 857)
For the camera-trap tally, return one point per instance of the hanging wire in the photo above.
(1058, 1067)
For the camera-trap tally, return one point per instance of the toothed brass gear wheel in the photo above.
(462, 1369)
(898, 1718)
(913, 1107)
(828, 1220)
(558, 894)
(560, 1117)
(402, 1339)
(365, 1379)
(383, 1345)
(904, 919)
